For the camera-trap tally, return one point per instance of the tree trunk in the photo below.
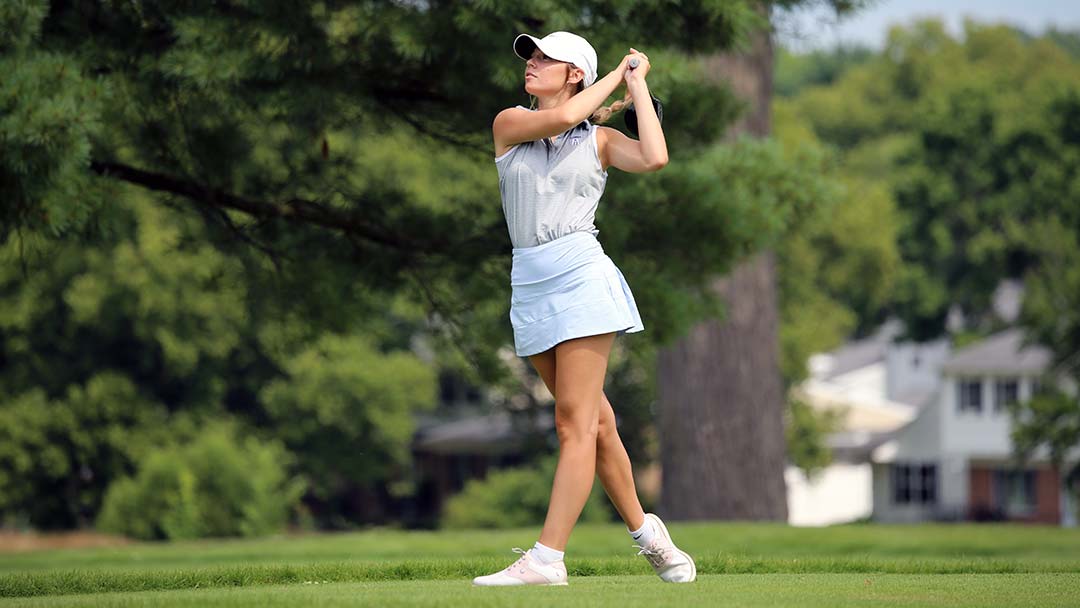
(720, 392)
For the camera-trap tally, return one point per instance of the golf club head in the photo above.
(630, 115)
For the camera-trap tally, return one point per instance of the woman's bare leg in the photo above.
(580, 367)
(612, 462)
(614, 469)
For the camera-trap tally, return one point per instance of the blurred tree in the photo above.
(1050, 422)
(348, 410)
(728, 370)
(838, 266)
(798, 71)
(721, 383)
(248, 176)
(58, 455)
(516, 497)
(270, 133)
(806, 431)
(114, 349)
(976, 139)
(218, 484)
(1051, 313)
(1051, 309)
(1066, 39)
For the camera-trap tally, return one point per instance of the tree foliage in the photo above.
(115, 347)
(58, 455)
(514, 498)
(269, 211)
(1050, 421)
(218, 484)
(975, 137)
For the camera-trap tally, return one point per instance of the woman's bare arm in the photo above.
(650, 136)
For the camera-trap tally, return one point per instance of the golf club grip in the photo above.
(633, 62)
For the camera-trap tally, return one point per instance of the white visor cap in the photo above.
(563, 46)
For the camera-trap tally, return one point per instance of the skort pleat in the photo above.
(567, 288)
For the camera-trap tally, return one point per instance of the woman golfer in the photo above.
(569, 300)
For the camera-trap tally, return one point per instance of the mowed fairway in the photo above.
(738, 565)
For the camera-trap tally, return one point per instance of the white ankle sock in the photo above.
(545, 554)
(643, 535)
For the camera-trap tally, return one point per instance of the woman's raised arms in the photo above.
(515, 125)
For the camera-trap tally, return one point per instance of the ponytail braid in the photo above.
(603, 113)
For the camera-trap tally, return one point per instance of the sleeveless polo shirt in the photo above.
(551, 190)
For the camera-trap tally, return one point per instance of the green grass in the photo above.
(802, 590)
(760, 564)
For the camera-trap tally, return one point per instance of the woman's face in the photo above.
(543, 75)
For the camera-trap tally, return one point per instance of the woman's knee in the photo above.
(573, 422)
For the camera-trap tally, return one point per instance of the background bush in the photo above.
(219, 484)
(515, 497)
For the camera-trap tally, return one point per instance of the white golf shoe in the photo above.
(672, 564)
(527, 570)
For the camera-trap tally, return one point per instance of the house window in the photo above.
(914, 483)
(969, 395)
(901, 476)
(928, 484)
(1006, 391)
(1014, 491)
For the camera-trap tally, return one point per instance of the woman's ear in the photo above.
(571, 72)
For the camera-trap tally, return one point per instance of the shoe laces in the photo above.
(656, 555)
(520, 560)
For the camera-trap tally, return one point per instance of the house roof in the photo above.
(917, 396)
(856, 446)
(491, 434)
(860, 353)
(861, 413)
(1002, 352)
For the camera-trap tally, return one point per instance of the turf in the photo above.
(1020, 590)
(436, 566)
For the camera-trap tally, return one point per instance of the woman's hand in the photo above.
(624, 65)
(636, 74)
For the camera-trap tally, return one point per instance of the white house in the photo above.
(926, 434)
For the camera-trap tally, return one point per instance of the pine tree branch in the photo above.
(295, 209)
(396, 110)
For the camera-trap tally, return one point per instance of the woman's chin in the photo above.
(531, 90)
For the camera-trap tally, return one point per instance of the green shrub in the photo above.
(59, 453)
(219, 484)
(515, 497)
